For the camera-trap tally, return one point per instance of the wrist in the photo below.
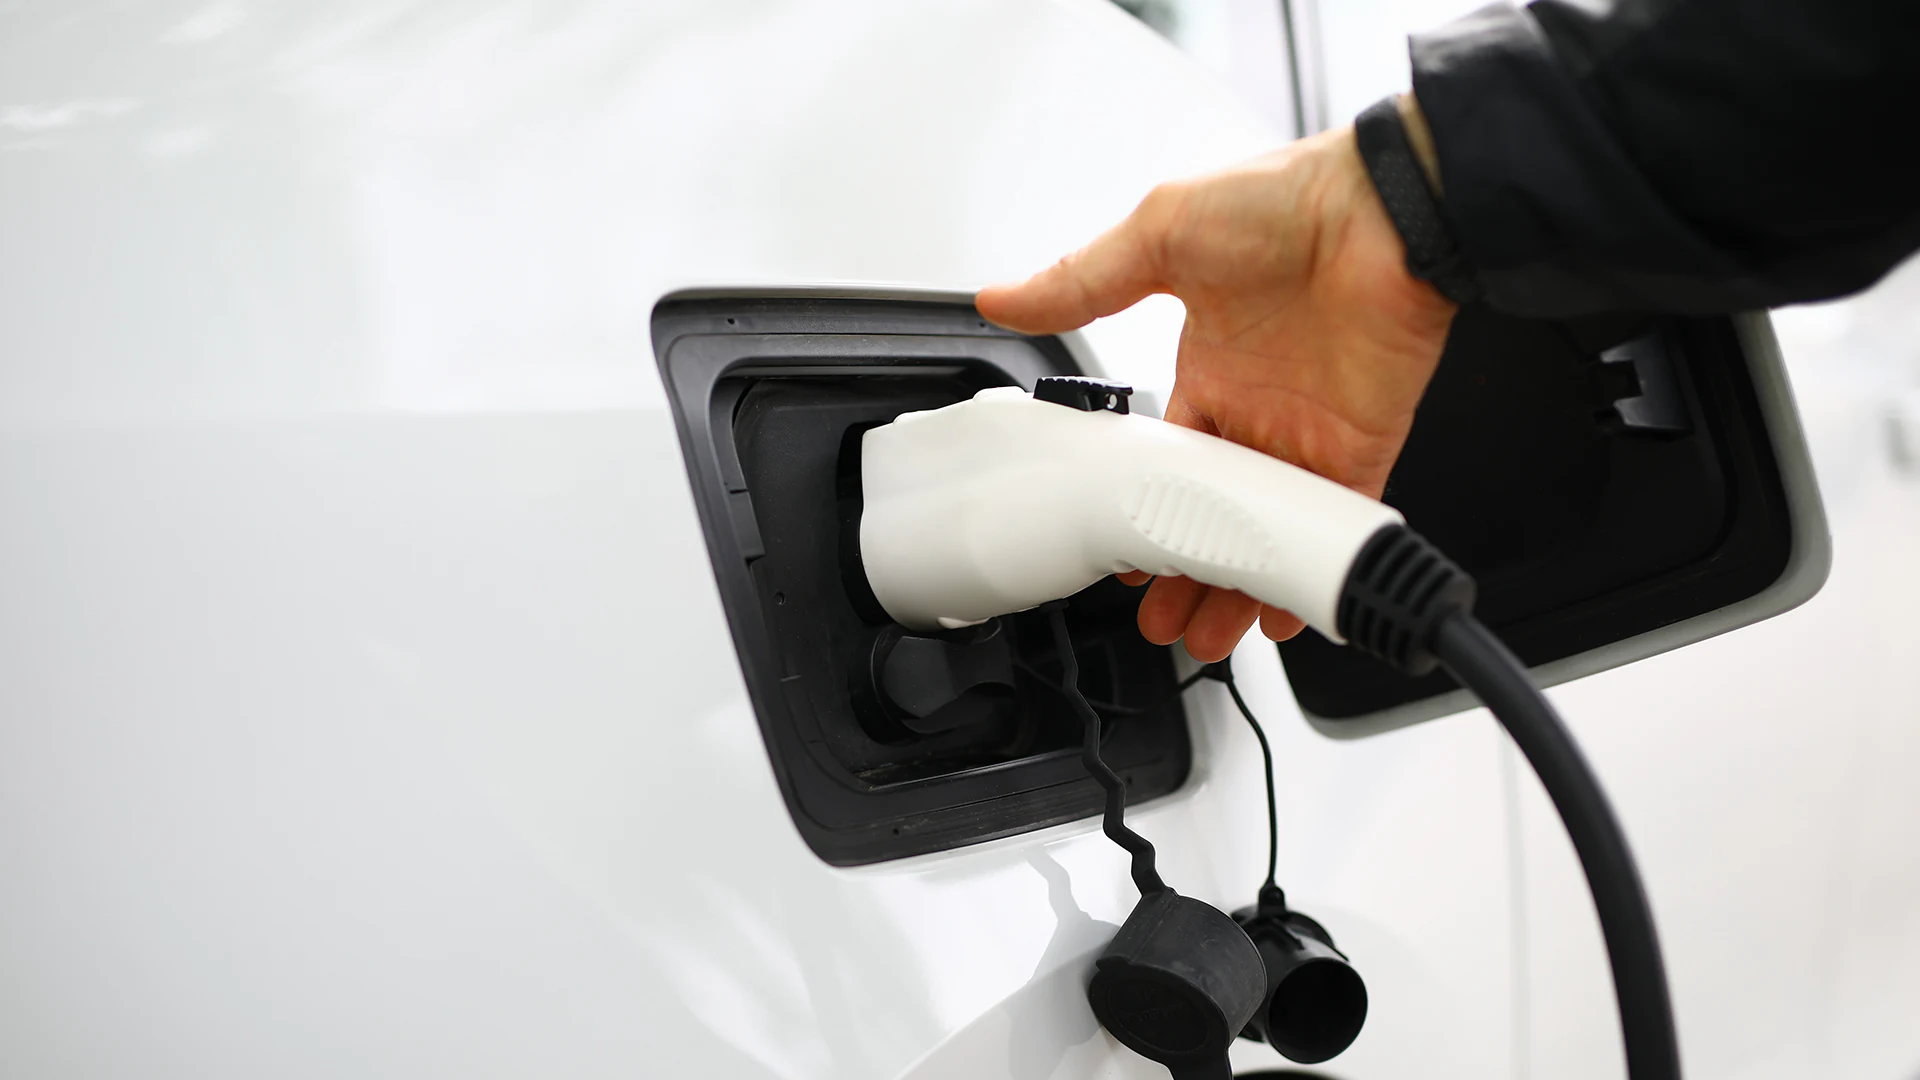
(1420, 138)
(1408, 190)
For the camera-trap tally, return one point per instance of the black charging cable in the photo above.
(1409, 605)
(1483, 665)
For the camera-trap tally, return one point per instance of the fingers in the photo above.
(1211, 620)
(1182, 412)
(1279, 625)
(1168, 608)
(1222, 620)
(1116, 271)
(1134, 577)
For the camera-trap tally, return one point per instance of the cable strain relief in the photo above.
(1396, 594)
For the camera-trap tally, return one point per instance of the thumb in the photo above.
(1116, 271)
(1184, 413)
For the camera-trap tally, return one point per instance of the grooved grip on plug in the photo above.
(1195, 523)
(1398, 590)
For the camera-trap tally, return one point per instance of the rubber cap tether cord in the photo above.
(1145, 877)
(1222, 671)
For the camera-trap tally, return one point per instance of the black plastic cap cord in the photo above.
(1181, 979)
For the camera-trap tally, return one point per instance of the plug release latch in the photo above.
(1083, 393)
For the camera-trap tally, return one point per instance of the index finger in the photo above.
(1119, 269)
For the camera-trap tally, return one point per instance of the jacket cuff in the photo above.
(1546, 204)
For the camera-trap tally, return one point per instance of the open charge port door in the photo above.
(888, 744)
(1601, 478)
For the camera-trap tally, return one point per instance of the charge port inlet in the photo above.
(890, 743)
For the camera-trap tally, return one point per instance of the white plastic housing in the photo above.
(1004, 502)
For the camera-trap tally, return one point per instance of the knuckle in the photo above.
(1160, 206)
(1156, 222)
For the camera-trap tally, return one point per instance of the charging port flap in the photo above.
(886, 742)
(1618, 486)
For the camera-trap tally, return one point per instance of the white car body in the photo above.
(366, 702)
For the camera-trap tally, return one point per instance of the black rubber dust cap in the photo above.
(1316, 1002)
(1177, 984)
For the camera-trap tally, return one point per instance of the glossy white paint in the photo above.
(365, 701)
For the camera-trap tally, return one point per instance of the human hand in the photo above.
(1305, 335)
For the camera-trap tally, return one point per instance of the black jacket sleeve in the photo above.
(1677, 155)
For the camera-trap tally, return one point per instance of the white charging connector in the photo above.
(1004, 502)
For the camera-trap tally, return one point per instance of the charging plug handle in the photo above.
(1006, 501)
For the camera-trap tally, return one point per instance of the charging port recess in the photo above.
(1600, 478)
(770, 397)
